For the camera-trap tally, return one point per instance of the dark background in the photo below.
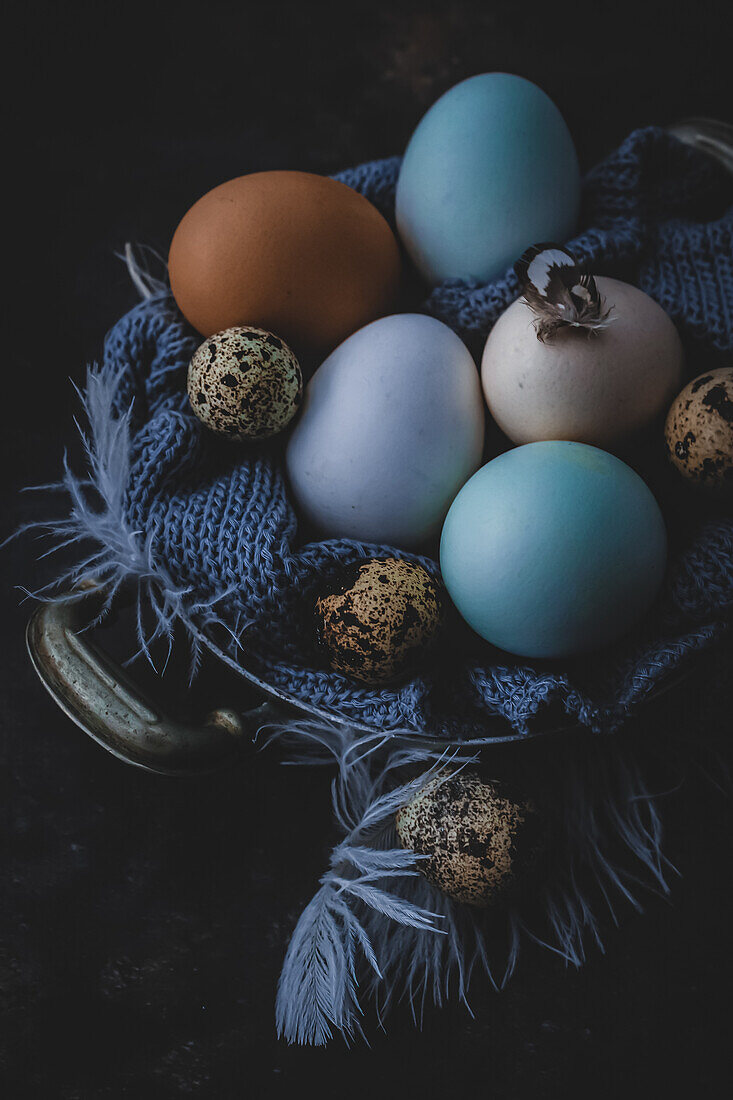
(145, 920)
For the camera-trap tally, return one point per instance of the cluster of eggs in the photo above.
(555, 546)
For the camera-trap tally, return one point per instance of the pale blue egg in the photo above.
(490, 170)
(553, 549)
(391, 428)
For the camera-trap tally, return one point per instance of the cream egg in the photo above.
(599, 387)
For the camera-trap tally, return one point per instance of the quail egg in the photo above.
(245, 383)
(375, 617)
(479, 840)
(699, 432)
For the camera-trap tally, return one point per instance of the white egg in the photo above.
(600, 387)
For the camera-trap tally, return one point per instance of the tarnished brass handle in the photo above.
(709, 135)
(103, 701)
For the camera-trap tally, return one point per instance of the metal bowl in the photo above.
(105, 702)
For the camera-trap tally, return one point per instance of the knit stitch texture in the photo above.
(217, 518)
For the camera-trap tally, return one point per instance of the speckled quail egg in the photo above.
(699, 432)
(375, 618)
(479, 840)
(245, 383)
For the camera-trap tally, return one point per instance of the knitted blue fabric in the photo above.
(217, 519)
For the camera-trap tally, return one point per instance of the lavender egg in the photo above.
(392, 427)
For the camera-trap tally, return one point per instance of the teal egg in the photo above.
(552, 549)
(490, 170)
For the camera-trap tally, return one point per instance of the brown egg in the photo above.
(298, 254)
(244, 383)
(699, 432)
(479, 841)
(376, 617)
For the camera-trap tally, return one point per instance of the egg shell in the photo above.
(699, 432)
(392, 426)
(244, 383)
(553, 549)
(294, 253)
(490, 169)
(479, 842)
(600, 388)
(376, 617)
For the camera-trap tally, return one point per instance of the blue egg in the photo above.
(553, 549)
(490, 170)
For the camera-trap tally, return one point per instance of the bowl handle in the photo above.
(106, 703)
(709, 135)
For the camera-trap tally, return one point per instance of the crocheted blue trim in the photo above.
(218, 520)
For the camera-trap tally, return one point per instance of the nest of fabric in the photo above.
(211, 531)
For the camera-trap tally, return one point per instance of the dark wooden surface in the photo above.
(144, 920)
